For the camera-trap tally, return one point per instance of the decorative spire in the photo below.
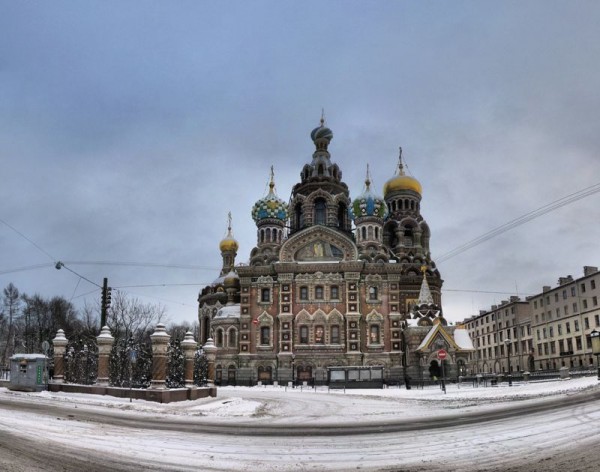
(272, 181)
(368, 179)
(229, 225)
(425, 297)
(400, 163)
(322, 116)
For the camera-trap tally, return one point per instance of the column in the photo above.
(211, 355)
(189, 347)
(60, 345)
(105, 344)
(160, 342)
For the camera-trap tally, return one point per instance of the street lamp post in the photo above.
(595, 337)
(507, 344)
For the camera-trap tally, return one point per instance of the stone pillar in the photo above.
(60, 345)
(160, 341)
(211, 355)
(189, 346)
(105, 344)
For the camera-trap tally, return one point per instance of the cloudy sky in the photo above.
(128, 130)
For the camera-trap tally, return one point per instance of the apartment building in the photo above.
(547, 331)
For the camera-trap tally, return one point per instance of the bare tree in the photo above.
(128, 317)
(11, 304)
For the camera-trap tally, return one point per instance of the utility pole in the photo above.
(105, 302)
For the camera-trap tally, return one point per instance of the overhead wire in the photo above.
(527, 217)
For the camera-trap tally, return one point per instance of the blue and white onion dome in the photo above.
(271, 206)
(368, 204)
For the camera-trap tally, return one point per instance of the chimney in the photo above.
(514, 298)
(546, 288)
(589, 270)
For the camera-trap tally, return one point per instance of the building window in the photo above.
(265, 295)
(335, 292)
(584, 304)
(586, 323)
(319, 335)
(265, 335)
(595, 301)
(335, 334)
(303, 334)
(576, 322)
(374, 334)
(372, 293)
(568, 327)
(231, 338)
(583, 288)
(303, 293)
(219, 338)
(593, 284)
(564, 294)
(319, 292)
(575, 307)
(572, 291)
(556, 297)
(559, 329)
(320, 211)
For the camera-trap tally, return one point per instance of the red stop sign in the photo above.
(442, 354)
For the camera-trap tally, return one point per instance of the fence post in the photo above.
(189, 346)
(105, 344)
(60, 345)
(211, 356)
(160, 342)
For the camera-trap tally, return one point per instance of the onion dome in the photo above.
(229, 243)
(321, 135)
(368, 204)
(271, 206)
(231, 280)
(401, 181)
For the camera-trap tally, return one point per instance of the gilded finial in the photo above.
(423, 269)
(272, 181)
(229, 224)
(322, 116)
(368, 179)
(400, 164)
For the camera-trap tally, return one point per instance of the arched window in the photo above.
(364, 233)
(372, 293)
(320, 170)
(303, 334)
(303, 293)
(376, 233)
(219, 338)
(342, 213)
(320, 211)
(319, 293)
(265, 295)
(231, 338)
(334, 292)
(268, 238)
(299, 216)
(374, 334)
(335, 334)
(262, 235)
(265, 335)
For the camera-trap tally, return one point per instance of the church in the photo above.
(332, 282)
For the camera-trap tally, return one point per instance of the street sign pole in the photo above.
(442, 354)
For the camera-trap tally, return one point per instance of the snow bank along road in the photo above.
(536, 427)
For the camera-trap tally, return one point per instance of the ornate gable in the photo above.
(316, 244)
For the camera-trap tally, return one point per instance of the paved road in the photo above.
(556, 434)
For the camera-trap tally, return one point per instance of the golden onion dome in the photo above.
(401, 181)
(229, 243)
(231, 280)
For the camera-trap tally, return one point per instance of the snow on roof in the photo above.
(462, 338)
(228, 311)
(17, 357)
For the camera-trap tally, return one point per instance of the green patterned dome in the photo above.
(270, 207)
(368, 204)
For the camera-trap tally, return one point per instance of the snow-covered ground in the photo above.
(532, 438)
